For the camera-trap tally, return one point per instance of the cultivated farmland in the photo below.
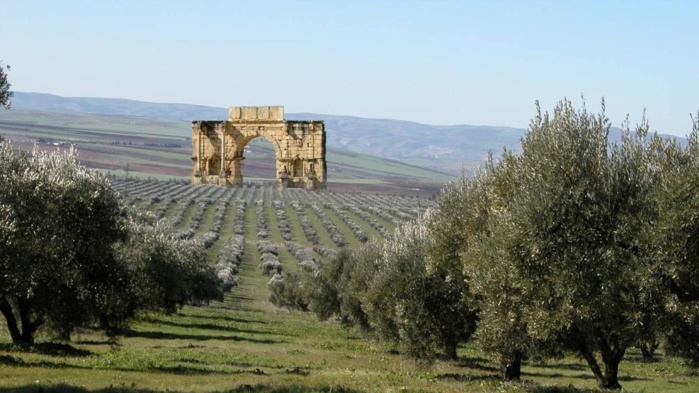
(255, 234)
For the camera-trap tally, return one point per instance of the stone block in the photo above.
(256, 113)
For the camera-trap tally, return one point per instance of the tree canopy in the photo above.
(578, 243)
(5, 92)
(72, 255)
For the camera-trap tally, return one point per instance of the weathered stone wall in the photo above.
(252, 113)
(218, 146)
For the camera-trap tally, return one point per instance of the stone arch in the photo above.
(299, 147)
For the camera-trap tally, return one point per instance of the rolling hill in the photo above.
(423, 147)
(442, 148)
(144, 147)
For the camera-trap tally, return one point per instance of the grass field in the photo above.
(245, 344)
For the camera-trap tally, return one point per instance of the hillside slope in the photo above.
(145, 147)
(443, 148)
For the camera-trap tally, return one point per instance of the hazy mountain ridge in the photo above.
(444, 148)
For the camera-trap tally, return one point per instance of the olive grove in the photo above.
(581, 243)
(71, 255)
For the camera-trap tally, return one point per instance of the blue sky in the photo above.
(436, 62)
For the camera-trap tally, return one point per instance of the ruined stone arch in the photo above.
(299, 147)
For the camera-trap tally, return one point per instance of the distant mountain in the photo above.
(443, 148)
(115, 106)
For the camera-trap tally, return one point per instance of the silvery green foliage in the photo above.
(334, 233)
(229, 258)
(210, 237)
(354, 227)
(282, 220)
(568, 242)
(325, 252)
(306, 224)
(383, 213)
(269, 259)
(287, 291)
(177, 218)
(199, 214)
(5, 92)
(160, 211)
(303, 256)
(262, 232)
(677, 243)
(167, 271)
(398, 299)
(59, 220)
(239, 221)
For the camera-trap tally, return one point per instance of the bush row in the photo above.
(356, 229)
(334, 233)
(306, 224)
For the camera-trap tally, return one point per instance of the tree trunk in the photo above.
(450, 351)
(28, 327)
(594, 366)
(648, 349)
(611, 359)
(6, 310)
(512, 368)
(611, 373)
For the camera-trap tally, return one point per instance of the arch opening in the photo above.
(259, 159)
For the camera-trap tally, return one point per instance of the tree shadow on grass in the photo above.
(534, 388)
(195, 337)
(468, 377)
(587, 376)
(292, 389)
(208, 326)
(174, 369)
(640, 359)
(95, 342)
(224, 318)
(561, 366)
(64, 388)
(476, 364)
(49, 348)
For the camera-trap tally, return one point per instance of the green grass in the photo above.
(245, 344)
(187, 217)
(225, 234)
(207, 220)
(346, 232)
(245, 341)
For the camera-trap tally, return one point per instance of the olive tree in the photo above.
(5, 92)
(579, 233)
(71, 255)
(60, 219)
(166, 272)
(677, 242)
(337, 289)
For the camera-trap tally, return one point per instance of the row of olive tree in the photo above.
(71, 255)
(575, 244)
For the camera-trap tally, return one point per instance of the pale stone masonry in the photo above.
(299, 147)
